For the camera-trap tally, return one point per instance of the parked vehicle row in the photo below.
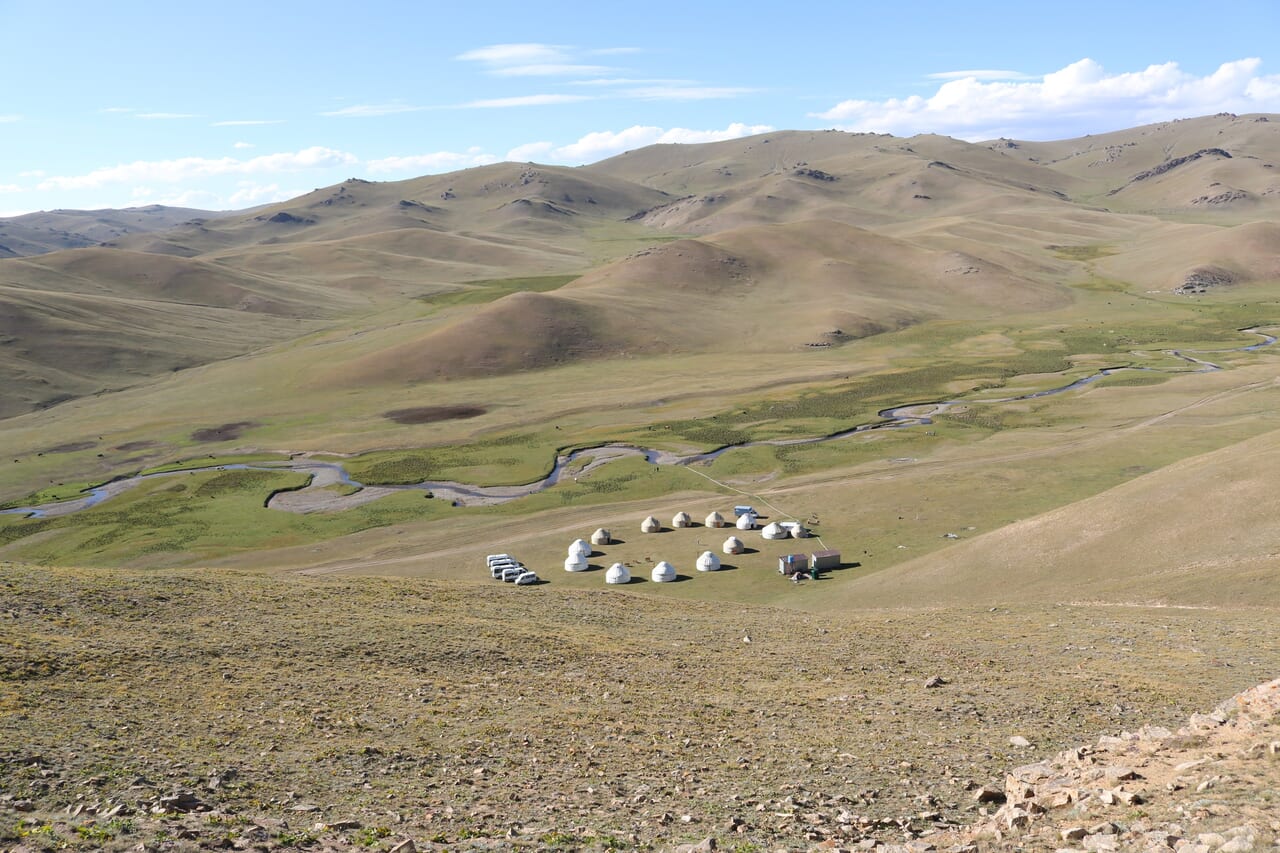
(508, 569)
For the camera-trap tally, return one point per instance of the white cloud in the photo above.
(439, 161)
(118, 110)
(550, 69)
(188, 168)
(606, 143)
(981, 74)
(189, 198)
(1080, 98)
(514, 54)
(535, 59)
(686, 93)
(532, 152)
(526, 101)
(628, 81)
(10, 188)
(243, 145)
(250, 194)
(614, 51)
(248, 122)
(166, 115)
(372, 110)
(5, 119)
(32, 173)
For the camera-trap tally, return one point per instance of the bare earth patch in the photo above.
(433, 414)
(225, 432)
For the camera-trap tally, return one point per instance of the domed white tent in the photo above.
(681, 519)
(799, 531)
(579, 547)
(617, 573)
(774, 530)
(708, 562)
(575, 563)
(601, 537)
(650, 525)
(746, 521)
(733, 545)
(715, 519)
(664, 572)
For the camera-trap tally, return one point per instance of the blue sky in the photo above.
(233, 104)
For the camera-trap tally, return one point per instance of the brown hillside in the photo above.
(1158, 539)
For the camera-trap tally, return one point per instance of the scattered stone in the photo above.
(1019, 741)
(935, 681)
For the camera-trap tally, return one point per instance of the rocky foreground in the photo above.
(221, 711)
(1211, 785)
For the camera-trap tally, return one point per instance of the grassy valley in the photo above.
(343, 402)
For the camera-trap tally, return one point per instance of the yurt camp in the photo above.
(715, 519)
(746, 521)
(580, 547)
(617, 573)
(681, 519)
(575, 563)
(601, 537)
(733, 545)
(650, 525)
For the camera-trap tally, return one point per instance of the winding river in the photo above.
(317, 497)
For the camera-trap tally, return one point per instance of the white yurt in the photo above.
(799, 531)
(579, 547)
(601, 537)
(774, 530)
(746, 521)
(715, 519)
(617, 573)
(681, 519)
(664, 572)
(708, 562)
(733, 545)
(650, 525)
(575, 563)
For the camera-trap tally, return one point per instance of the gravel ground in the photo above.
(202, 710)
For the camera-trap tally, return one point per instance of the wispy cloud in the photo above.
(243, 145)
(550, 69)
(687, 93)
(525, 101)
(981, 74)
(118, 110)
(190, 168)
(514, 54)
(10, 188)
(246, 122)
(11, 117)
(372, 110)
(536, 59)
(606, 143)
(439, 161)
(632, 81)
(614, 51)
(1077, 99)
(166, 115)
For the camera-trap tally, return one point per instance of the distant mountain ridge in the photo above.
(824, 229)
(54, 230)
